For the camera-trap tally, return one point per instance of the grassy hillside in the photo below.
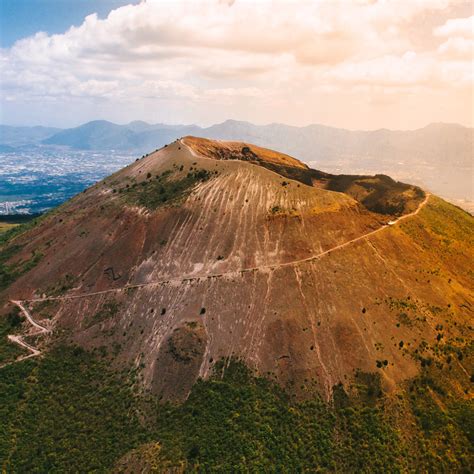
(68, 412)
(64, 413)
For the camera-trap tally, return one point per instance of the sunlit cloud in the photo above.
(202, 51)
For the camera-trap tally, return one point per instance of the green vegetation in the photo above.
(446, 424)
(16, 230)
(411, 312)
(9, 272)
(280, 212)
(378, 193)
(64, 413)
(13, 225)
(448, 221)
(241, 423)
(162, 190)
(444, 229)
(44, 309)
(233, 422)
(8, 324)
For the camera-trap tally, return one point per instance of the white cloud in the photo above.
(459, 34)
(206, 51)
(458, 48)
(461, 27)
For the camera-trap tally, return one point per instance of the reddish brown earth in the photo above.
(238, 266)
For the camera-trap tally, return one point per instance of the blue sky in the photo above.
(360, 64)
(20, 18)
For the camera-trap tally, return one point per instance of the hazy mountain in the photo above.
(138, 126)
(103, 135)
(95, 135)
(433, 144)
(17, 136)
(158, 136)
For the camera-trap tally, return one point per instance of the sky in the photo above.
(358, 64)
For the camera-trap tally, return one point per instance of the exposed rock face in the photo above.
(179, 360)
(230, 256)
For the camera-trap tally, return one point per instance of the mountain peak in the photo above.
(233, 123)
(233, 150)
(443, 125)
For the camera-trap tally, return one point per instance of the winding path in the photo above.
(30, 319)
(19, 340)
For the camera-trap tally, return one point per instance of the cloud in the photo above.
(460, 27)
(198, 51)
(457, 48)
(459, 34)
(406, 70)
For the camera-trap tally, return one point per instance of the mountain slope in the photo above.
(186, 259)
(98, 134)
(104, 135)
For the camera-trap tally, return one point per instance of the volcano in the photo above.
(207, 251)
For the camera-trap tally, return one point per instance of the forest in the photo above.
(68, 412)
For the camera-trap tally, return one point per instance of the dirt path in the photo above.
(362, 237)
(18, 340)
(30, 319)
(191, 150)
(15, 339)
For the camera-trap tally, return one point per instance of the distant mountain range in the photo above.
(138, 136)
(438, 156)
(434, 143)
